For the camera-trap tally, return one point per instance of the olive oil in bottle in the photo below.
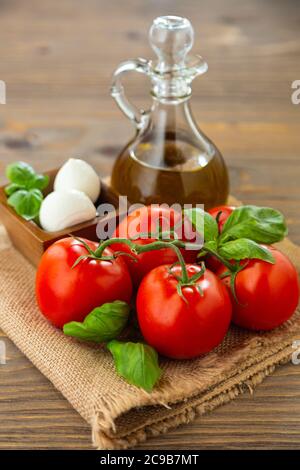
(169, 160)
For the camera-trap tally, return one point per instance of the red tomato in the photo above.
(146, 220)
(177, 328)
(65, 294)
(211, 261)
(268, 294)
(225, 213)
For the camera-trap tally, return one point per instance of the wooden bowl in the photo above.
(31, 240)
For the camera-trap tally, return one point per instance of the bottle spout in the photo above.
(172, 38)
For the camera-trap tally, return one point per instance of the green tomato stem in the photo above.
(138, 249)
(156, 245)
(111, 241)
(220, 258)
(174, 245)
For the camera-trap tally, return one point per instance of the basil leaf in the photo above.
(102, 324)
(23, 176)
(38, 181)
(260, 224)
(203, 221)
(12, 188)
(19, 173)
(211, 246)
(137, 363)
(244, 248)
(26, 203)
(24, 191)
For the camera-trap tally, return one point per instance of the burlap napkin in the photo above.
(121, 415)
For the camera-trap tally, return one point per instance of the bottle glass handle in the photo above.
(138, 116)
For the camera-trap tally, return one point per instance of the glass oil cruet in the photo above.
(169, 160)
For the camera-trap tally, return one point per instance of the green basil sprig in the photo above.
(102, 324)
(26, 203)
(245, 248)
(260, 224)
(203, 221)
(25, 189)
(243, 232)
(135, 362)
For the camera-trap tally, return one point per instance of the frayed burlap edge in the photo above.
(244, 379)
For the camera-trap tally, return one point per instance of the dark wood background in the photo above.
(56, 57)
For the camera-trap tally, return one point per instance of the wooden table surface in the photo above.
(56, 57)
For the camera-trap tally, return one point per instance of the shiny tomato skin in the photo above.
(268, 294)
(177, 328)
(144, 220)
(64, 294)
(212, 262)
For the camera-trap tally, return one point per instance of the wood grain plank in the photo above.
(57, 65)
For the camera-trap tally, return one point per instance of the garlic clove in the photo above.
(62, 209)
(78, 174)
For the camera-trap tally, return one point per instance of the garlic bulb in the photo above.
(62, 209)
(78, 174)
